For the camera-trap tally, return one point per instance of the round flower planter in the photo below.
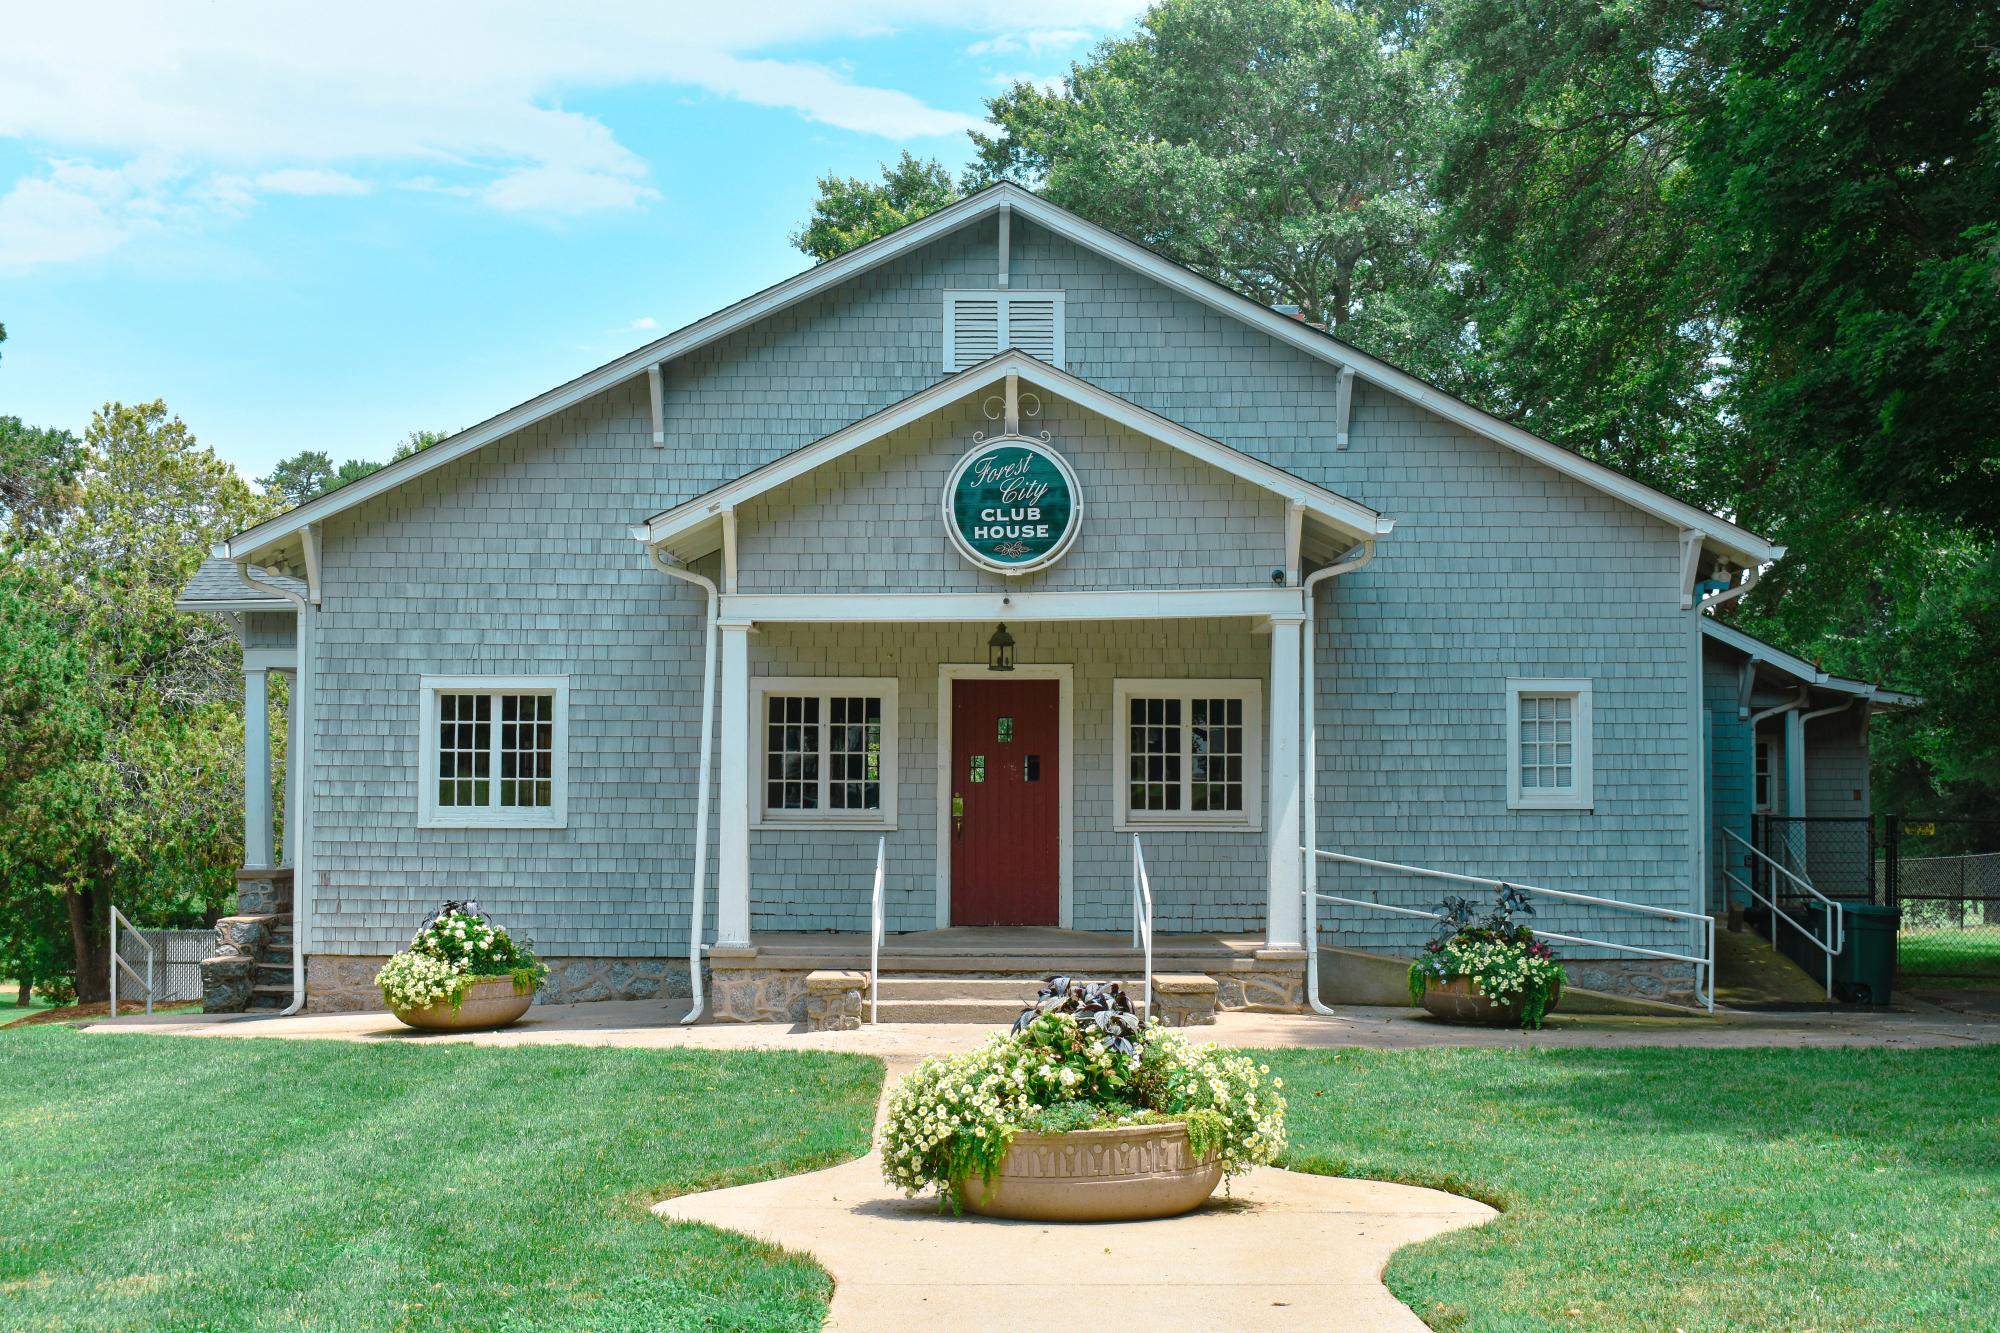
(1124, 1174)
(1459, 1001)
(487, 1004)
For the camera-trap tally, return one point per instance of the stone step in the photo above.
(945, 987)
(993, 1013)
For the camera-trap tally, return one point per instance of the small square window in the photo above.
(1549, 745)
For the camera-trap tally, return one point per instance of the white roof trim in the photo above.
(1722, 535)
(1338, 510)
(276, 606)
(1801, 670)
(1744, 545)
(634, 363)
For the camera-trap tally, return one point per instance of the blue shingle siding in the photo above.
(517, 559)
(870, 522)
(268, 629)
(1730, 775)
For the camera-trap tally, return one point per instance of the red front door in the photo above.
(1005, 849)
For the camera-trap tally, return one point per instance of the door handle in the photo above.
(957, 814)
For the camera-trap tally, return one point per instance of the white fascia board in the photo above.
(274, 606)
(634, 363)
(1750, 646)
(1337, 510)
(1726, 536)
(898, 608)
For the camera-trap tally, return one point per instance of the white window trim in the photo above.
(430, 815)
(1583, 747)
(1005, 297)
(1248, 820)
(761, 816)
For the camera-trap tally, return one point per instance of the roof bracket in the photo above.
(1691, 545)
(1343, 406)
(1006, 243)
(656, 385)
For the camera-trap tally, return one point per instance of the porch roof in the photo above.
(695, 528)
(1761, 655)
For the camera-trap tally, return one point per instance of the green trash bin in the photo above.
(1866, 967)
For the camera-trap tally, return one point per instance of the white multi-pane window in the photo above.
(1188, 753)
(1760, 798)
(828, 751)
(1548, 745)
(494, 751)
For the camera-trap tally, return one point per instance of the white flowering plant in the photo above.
(1500, 956)
(454, 947)
(952, 1119)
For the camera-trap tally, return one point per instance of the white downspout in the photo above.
(300, 763)
(1309, 722)
(698, 878)
(1752, 576)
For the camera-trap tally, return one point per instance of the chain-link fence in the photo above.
(177, 956)
(1945, 875)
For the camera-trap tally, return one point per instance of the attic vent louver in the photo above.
(979, 324)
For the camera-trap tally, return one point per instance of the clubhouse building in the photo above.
(1009, 557)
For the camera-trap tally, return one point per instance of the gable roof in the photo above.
(1806, 673)
(1715, 531)
(215, 587)
(674, 526)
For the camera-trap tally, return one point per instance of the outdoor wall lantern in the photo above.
(1000, 650)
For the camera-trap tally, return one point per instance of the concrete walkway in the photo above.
(648, 1023)
(1280, 1251)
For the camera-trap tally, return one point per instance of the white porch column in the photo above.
(1795, 762)
(732, 894)
(1284, 924)
(256, 769)
(287, 815)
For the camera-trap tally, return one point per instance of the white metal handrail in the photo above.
(118, 919)
(1142, 925)
(1833, 917)
(876, 915)
(1704, 963)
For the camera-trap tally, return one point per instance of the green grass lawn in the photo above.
(10, 995)
(154, 1182)
(1947, 957)
(1676, 1189)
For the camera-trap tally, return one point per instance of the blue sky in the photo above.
(325, 230)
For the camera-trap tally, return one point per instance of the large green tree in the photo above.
(310, 473)
(135, 791)
(850, 211)
(1281, 146)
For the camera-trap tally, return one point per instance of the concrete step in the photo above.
(1017, 990)
(991, 1012)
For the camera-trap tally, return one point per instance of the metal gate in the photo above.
(1945, 876)
(1834, 853)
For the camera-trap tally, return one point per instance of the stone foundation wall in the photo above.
(1641, 978)
(345, 983)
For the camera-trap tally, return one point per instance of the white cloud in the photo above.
(247, 99)
(644, 324)
(1035, 42)
(311, 181)
(1048, 83)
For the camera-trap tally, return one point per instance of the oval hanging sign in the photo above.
(1011, 505)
